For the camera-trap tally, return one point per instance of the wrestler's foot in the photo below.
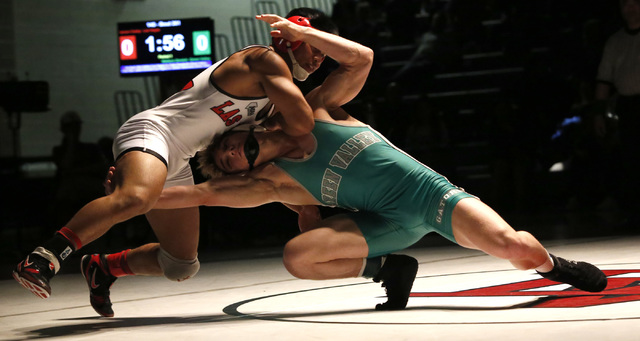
(35, 271)
(397, 276)
(95, 270)
(581, 275)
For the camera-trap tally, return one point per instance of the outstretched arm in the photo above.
(355, 59)
(228, 191)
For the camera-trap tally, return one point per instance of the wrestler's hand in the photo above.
(108, 184)
(308, 216)
(283, 28)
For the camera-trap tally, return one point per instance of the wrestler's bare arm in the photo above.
(275, 78)
(355, 60)
(265, 185)
(182, 196)
(256, 72)
(229, 191)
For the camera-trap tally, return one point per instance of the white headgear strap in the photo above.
(298, 71)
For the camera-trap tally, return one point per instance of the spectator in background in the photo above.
(357, 21)
(393, 114)
(342, 15)
(80, 168)
(427, 136)
(465, 18)
(401, 20)
(619, 78)
(437, 50)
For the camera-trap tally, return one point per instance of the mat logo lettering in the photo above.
(623, 286)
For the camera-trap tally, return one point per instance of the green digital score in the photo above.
(201, 43)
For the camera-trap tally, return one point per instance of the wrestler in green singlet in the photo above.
(395, 199)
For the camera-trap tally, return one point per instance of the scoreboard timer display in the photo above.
(153, 47)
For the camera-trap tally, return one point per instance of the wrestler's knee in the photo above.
(136, 201)
(177, 269)
(294, 259)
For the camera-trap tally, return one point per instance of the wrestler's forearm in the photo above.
(342, 50)
(179, 197)
(344, 83)
(236, 191)
(217, 192)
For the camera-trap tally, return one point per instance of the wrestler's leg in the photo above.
(477, 226)
(334, 249)
(139, 178)
(337, 248)
(178, 231)
(175, 256)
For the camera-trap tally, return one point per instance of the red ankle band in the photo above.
(71, 237)
(118, 264)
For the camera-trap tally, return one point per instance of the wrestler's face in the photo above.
(309, 57)
(229, 155)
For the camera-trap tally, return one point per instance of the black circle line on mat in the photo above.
(232, 309)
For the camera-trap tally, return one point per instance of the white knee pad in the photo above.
(177, 269)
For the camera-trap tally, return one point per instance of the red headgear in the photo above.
(281, 43)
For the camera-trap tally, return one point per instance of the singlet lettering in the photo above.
(330, 185)
(229, 117)
(351, 148)
(443, 203)
(341, 159)
(251, 108)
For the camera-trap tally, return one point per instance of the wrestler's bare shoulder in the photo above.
(242, 73)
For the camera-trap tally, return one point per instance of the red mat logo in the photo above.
(623, 286)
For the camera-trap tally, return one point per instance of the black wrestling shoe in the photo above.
(581, 275)
(397, 276)
(95, 270)
(34, 273)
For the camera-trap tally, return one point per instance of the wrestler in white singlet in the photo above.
(187, 122)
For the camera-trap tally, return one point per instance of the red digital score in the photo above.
(128, 50)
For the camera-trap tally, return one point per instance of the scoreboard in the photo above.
(157, 46)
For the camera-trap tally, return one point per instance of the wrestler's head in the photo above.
(233, 152)
(225, 155)
(305, 59)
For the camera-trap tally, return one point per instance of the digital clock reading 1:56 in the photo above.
(168, 43)
(165, 45)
